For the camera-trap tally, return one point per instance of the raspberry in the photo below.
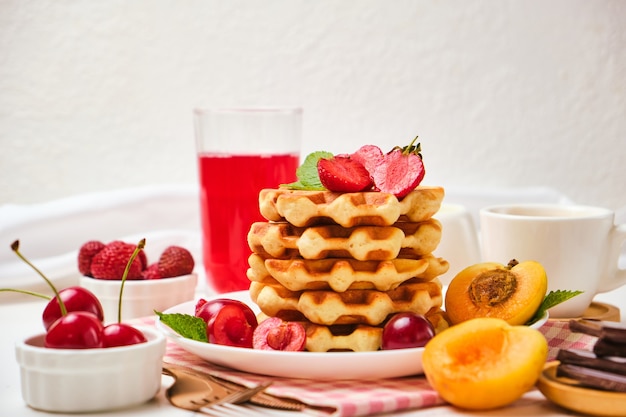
(111, 261)
(86, 254)
(343, 174)
(152, 272)
(175, 261)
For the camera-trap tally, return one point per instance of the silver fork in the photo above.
(234, 410)
(230, 405)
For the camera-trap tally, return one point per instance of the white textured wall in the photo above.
(97, 95)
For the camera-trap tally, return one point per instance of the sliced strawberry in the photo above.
(369, 156)
(399, 174)
(400, 171)
(343, 174)
(276, 334)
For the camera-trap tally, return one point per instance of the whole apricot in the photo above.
(513, 292)
(484, 363)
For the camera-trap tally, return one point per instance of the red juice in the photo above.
(229, 204)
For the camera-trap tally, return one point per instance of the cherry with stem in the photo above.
(66, 300)
(121, 334)
(15, 247)
(73, 329)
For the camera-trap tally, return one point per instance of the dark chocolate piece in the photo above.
(604, 347)
(590, 327)
(590, 360)
(614, 332)
(593, 378)
(609, 330)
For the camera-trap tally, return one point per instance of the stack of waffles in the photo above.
(343, 263)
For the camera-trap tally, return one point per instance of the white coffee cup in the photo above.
(579, 247)
(459, 240)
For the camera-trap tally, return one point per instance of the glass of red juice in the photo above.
(240, 151)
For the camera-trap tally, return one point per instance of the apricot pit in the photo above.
(513, 292)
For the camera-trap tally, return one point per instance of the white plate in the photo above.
(309, 365)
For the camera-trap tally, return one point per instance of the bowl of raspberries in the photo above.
(150, 284)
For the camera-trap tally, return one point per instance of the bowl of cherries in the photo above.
(79, 364)
(166, 282)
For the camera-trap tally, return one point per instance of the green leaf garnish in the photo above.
(308, 178)
(186, 325)
(552, 299)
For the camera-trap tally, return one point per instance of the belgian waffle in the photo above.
(306, 208)
(370, 307)
(283, 240)
(343, 263)
(341, 274)
(356, 337)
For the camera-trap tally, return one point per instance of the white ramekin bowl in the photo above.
(141, 297)
(90, 380)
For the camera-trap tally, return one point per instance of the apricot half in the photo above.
(484, 363)
(489, 289)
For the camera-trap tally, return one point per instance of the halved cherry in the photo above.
(208, 309)
(229, 323)
(276, 334)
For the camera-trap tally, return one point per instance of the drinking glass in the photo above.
(240, 151)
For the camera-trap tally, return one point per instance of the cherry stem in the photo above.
(15, 246)
(36, 294)
(140, 246)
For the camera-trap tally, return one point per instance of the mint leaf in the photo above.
(186, 325)
(308, 178)
(553, 298)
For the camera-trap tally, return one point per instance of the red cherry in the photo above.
(276, 334)
(201, 302)
(75, 330)
(229, 322)
(407, 330)
(75, 299)
(120, 334)
(208, 309)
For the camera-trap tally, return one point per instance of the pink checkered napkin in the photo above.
(360, 398)
(326, 398)
(559, 336)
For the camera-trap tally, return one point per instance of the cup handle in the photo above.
(615, 276)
